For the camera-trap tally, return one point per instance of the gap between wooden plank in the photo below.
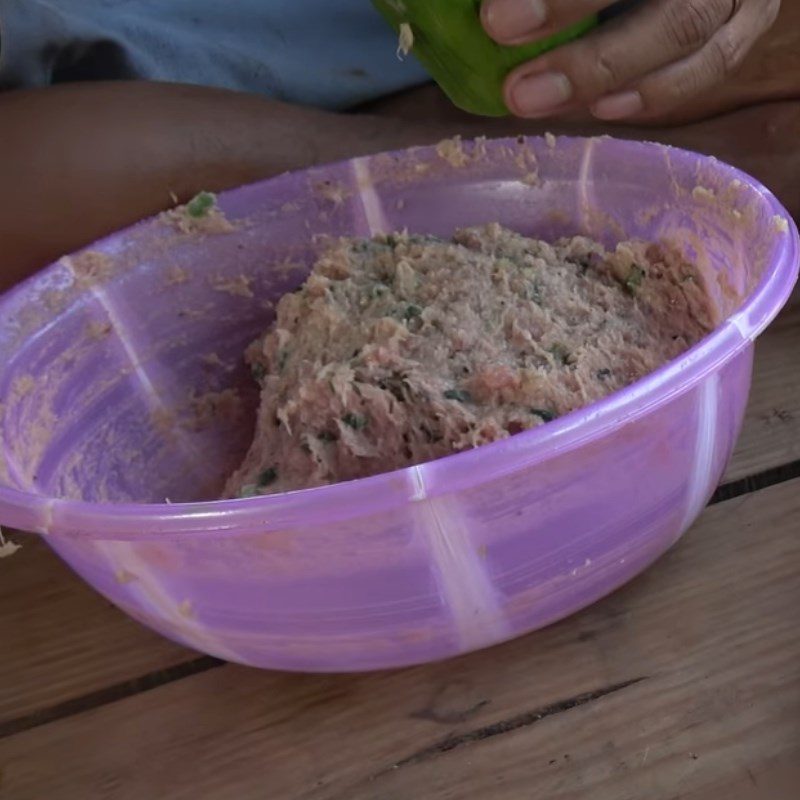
(757, 482)
(109, 694)
(508, 725)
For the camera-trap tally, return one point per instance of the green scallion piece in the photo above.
(354, 421)
(411, 312)
(634, 279)
(459, 395)
(560, 353)
(201, 205)
(258, 371)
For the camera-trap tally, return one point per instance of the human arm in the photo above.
(81, 160)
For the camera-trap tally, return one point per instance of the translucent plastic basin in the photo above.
(123, 385)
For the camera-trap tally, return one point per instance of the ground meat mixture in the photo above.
(406, 348)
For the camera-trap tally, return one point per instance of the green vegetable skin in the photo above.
(450, 42)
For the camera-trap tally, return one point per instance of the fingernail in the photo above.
(618, 106)
(508, 20)
(538, 95)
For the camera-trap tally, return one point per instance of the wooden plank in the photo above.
(771, 433)
(61, 641)
(684, 683)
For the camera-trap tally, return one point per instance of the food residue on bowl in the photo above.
(200, 215)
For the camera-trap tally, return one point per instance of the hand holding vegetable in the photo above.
(449, 40)
(643, 63)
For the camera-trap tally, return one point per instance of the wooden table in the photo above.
(683, 684)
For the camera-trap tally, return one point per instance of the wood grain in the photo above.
(684, 683)
(60, 640)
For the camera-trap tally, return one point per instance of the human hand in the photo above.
(641, 65)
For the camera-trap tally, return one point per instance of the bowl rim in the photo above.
(381, 493)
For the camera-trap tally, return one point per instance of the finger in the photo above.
(513, 22)
(671, 87)
(624, 50)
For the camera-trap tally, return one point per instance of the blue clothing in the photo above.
(328, 53)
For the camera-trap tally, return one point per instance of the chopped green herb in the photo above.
(201, 204)
(602, 374)
(354, 421)
(421, 238)
(581, 262)
(326, 436)
(458, 395)
(544, 414)
(412, 311)
(251, 490)
(379, 290)
(398, 386)
(283, 356)
(634, 279)
(535, 293)
(267, 477)
(258, 371)
(560, 353)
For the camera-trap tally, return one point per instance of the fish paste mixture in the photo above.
(404, 348)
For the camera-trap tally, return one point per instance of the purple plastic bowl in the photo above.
(120, 375)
